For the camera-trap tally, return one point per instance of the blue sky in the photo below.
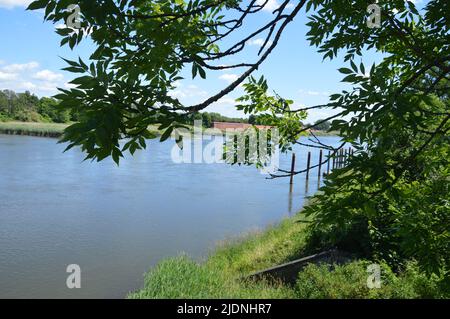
(29, 60)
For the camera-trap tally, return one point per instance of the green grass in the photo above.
(181, 277)
(325, 133)
(221, 274)
(44, 129)
(34, 129)
(258, 250)
(218, 276)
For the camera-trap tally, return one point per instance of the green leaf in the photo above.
(39, 4)
(202, 73)
(74, 69)
(345, 71)
(194, 70)
(166, 134)
(354, 67)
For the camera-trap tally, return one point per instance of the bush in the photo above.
(183, 278)
(29, 116)
(4, 118)
(218, 276)
(350, 282)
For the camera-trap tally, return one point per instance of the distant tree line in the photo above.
(208, 118)
(27, 107)
(320, 125)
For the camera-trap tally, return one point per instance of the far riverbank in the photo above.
(55, 130)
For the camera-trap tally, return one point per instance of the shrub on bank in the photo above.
(183, 278)
(350, 282)
(220, 276)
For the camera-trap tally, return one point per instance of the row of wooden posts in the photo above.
(333, 160)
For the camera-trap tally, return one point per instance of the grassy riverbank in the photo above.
(325, 133)
(220, 275)
(56, 129)
(32, 129)
(43, 129)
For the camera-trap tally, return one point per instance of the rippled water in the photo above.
(117, 222)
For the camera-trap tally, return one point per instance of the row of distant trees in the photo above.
(28, 107)
(208, 119)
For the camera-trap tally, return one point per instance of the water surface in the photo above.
(117, 222)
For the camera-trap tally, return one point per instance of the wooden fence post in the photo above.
(308, 164)
(292, 169)
(328, 163)
(338, 159)
(320, 164)
(334, 160)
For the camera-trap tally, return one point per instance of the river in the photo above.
(117, 222)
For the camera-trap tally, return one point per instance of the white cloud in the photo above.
(48, 87)
(258, 42)
(187, 92)
(28, 77)
(4, 76)
(229, 77)
(9, 4)
(26, 86)
(270, 5)
(47, 75)
(13, 68)
(70, 85)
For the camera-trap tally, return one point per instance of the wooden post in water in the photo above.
(328, 163)
(345, 158)
(292, 169)
(341, 155)
(338, 154)
(308, 164)
(320, 164)
(334, 160)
